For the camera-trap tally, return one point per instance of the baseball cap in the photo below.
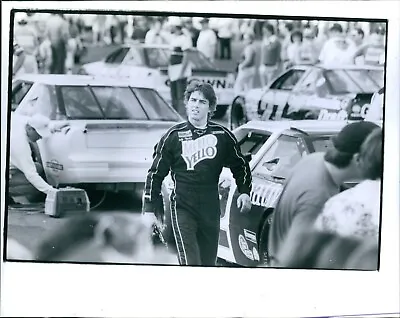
(351, 137)
(41, 124)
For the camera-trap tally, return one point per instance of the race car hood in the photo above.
(95, 67)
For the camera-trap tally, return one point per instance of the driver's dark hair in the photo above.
(206, 89)
(337, 158)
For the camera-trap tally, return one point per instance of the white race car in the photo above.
(113, 127)
(149, 63)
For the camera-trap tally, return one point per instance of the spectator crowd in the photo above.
(54, 43)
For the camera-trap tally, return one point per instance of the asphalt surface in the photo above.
(29, 225)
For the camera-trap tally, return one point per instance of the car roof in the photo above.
(339, 67)
(80, 80)
(308, 126)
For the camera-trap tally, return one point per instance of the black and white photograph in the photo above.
(165, 140)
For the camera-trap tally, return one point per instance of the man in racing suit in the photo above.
(195, 152)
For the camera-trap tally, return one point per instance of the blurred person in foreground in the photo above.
(302, 201)
(23, 170)
(207, 40)
(356, 211)
(270, 55)
(322, 250)
(107, 237)
(247, 66)
(195, 151)
(18, 59)
(27, 38)
(58, 33)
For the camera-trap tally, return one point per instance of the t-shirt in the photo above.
(354, 212)
(270, 51)
(307, 189)
(207, 43)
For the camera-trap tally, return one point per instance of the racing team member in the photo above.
(22, 167)
(195, 151)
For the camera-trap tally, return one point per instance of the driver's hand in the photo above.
(244, 203)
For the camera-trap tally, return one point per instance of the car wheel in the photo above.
(263, 244)
(220, 111)
(238, 115)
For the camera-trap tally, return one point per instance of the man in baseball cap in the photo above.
(314, 180)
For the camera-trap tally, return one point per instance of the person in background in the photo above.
(72, 47)
(270, 55)
(180, 38)
(356, 212)
(44, 56)
(225, 34)
(25, 130)
(112, 238)
(309, 50)
(294, 49)
(335, 48)
(247, 66)
(58, 33)
(18, 59)
(139, 29)
(27, 38)
(285, 33)
(156, 35)
(375, 110)
(207, 40)
(357, 36)
(373, 52)
(193, 31)
(301, 202)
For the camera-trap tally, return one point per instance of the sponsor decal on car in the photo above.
(216, 83)
(359, 111)
(250, 236)
(264, 195)
(324, 114)
(244, 247)
(54, 166)
(255, 254)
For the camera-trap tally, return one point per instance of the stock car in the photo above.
(311, 92)
(113, 127)
(150, 64)
(271, 148)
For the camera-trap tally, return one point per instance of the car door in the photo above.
(273, 102)
(268, 175)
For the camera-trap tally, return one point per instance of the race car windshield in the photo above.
(160, 58)
(106, 102)
(353, 81)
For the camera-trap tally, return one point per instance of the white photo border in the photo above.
(49, 290)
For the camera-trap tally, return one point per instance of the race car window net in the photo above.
(252, 142)
(117, 56)
(279, 158)
(352, 81)
(288, 80)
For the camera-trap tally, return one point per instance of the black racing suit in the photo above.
(195, 158)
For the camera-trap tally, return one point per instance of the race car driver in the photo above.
(195, 152)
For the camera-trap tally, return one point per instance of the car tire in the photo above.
(263, 244)
(237, 114)
(220, 111)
